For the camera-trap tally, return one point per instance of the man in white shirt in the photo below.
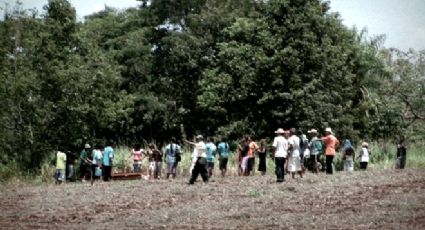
(280, 145)
(199, 157)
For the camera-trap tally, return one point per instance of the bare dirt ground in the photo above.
(361, 200)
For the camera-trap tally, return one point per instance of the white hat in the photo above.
(365, 144)
(87, 146)
(328, 130)
(279, 131)
(200, 137)
(312, 131)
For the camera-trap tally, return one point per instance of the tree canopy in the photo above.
(176, 68)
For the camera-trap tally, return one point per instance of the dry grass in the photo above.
(375, 199)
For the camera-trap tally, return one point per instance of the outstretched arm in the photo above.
(190, 142)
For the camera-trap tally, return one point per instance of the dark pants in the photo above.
(83, 171)
(223, 163)
(280, 168)
(200, 168)
(106, 171)
(251, 163)
(363, 165)
(402, 162)
(329, 160)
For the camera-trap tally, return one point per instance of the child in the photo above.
(137, 154)
(96, 164)
(348, 156)
(364, 156)
(60, 167)
(157, 158)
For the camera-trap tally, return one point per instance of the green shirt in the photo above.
(83, 156)
(60, 160)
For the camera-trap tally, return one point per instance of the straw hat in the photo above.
(312, 131)
(280, 131)
(328, 130)
(87, 146)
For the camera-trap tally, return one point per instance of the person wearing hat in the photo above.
(199, 158)
(280, 146)
(332, 144)
(84, 163)
(364, 156)
(316, 149)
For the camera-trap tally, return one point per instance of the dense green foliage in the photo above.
(177, 68)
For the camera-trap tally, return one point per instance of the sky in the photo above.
(401, 21)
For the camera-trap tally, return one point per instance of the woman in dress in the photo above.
(294, 156)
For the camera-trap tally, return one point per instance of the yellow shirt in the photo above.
(60, 160)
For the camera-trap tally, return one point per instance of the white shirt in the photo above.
(200, 150)
(364, 155)
(281, 145)
(295, 142)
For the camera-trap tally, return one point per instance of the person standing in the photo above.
(199, 157)
(253, 147)
(364, 156)
(332, 144)
(316, 149)
(401, 153)
(172, 152)
(137, 154)
(60, 167)
(84, 163)
(262, 157)
(244, 156)
(96, 163)
(211, 151)
(348, 156)
(108, 156)
(223, 154)
(280, 146)
(70, 160)
(149, 153)
(157, 158)
(294, 155)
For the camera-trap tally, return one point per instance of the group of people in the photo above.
(155, 157)
(94, 164)
(292, 152)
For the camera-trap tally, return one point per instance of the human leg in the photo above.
(329, 159)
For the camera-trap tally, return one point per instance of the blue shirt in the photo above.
(171, 151)
(108, 154)
(211, 148)
(223, 150)
(97, 156)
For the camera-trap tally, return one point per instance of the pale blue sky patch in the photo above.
(402, 21)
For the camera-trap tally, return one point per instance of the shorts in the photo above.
(136, 166)
(223, 163)
(152, 166)
(59, 175)
(210, 165)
